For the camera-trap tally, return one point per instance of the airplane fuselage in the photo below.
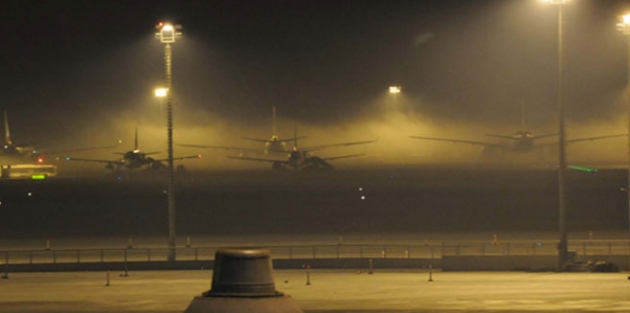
(135, 159)
(523, 142)
(274, 145)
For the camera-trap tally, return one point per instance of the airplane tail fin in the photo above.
(273, 127)
(523, 125)
(135, 143)
(7, 135)
(295, 139)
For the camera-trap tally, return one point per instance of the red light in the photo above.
(40, 160)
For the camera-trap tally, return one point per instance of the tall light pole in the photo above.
(624, 27)
(562, 161)
(167, 33)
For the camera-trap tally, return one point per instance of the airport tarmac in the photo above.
(329, 291)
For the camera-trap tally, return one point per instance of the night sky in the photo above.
(79, 72)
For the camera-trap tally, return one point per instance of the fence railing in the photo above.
(341, 251)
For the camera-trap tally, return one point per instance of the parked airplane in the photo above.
(521, 141)
(302, 159)
(12, 153)
(134, 159)
(273, 145)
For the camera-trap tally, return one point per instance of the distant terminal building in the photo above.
(28, 171)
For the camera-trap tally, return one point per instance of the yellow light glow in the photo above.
(161, 92)
(394, 89)
(167, 27)
(555, 1)
(626, 19)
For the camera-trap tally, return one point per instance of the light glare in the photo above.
(161, 92)
(394, 89)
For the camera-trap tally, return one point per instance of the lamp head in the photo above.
(161, 92)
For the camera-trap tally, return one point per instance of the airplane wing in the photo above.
(595, 138)
(198, 156)
(341, 144)
(545, 136)
(221, 147)
(77, 150)
(286, 161)
(94, 160)
(145, 153)
(343, 157)
(279, 140)
(470, 142)
(258, 159)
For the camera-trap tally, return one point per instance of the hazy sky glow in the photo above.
(84, 71)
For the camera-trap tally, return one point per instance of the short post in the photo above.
(107, 279)
(371, 268)
(407, 253)
(47, 244)
(308, 275)
(430, 272)
(187, 242)
(129, 243)
(495, 240)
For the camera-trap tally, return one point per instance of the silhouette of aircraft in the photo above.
(273, 145)
(303, 160)
(134, 159)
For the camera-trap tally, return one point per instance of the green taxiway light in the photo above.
(583, 169)
(38, 177)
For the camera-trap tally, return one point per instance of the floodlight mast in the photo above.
(167, 34)
(624, 28)
(563, 253)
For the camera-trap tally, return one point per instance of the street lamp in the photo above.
(161, 92)
(562, 161)
(624, 28)
(394, 90)
(167, 34)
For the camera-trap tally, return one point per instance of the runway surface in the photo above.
(263, 203)
(330, 291)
